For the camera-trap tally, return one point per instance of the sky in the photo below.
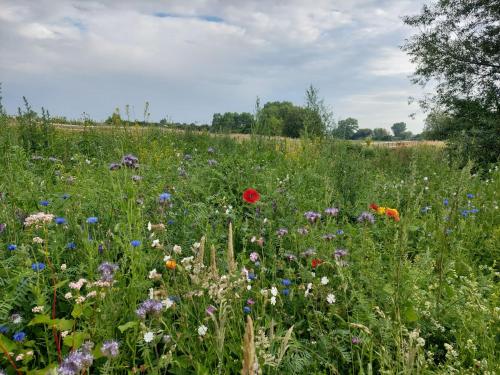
(191, 59)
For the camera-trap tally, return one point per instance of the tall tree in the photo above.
(317, 109)
(458, 45)
(398, 129)
(346, 128)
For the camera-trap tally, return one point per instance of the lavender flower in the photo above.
(331, 211)
(110, 348)
(340, 253)
(303, 231)
(149, 306)
(130, 161)
(366, 217)
(312, 216)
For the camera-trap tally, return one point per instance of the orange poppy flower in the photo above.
(171, 264)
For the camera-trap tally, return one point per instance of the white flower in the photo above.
(167, 303)
(68, 295)
(149, 336)
(274, 291)
(324, 280)
(149, 226)
(64, 334)
(249, 287)
(37, 309)
(80, 300)
(37, 240)
(330, 298)
(20, 357)
(273, 300)
(202, 330)
(63, 267)
(156, 243)
(91, 294)
(177, 249)
(166, 258)
(308, 289)
(154, 275)
(426, 179)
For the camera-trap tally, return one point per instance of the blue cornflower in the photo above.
(60, 220)
(19, 336)
(465, 213)
(286, 282)
(170, 222)
(164, 197)
(92, 220)
(247, 310)
(71, 245)
(445, 201)
(474, 211)
(135, 243)
(285, 292)
(65, 196)
(38, 266)
(251, 276)
(44, 203)
(4, 329)
(11, 247)
(340, 232)
(470, 196)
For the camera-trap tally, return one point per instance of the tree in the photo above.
(398, 129)
(346, 128)
(362, 134)
(317, 110)
(457, 47)
(381, 134)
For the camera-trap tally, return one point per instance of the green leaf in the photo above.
(411, 314)
(7, 344)
(126, 326)
(60, 284)
(40, 319)
(77, 311)
(63, 324)
(76, 339)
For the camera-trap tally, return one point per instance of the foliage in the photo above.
(457, 48)
(346, 128)
(326, 295)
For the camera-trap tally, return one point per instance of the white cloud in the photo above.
(201, 56)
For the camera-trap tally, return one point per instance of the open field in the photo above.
(137, 251)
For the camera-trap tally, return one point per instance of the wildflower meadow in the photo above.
(142, 251)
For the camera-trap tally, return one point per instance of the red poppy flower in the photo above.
(392, 212)
(316, 262)
(374, 206)
(251, 195)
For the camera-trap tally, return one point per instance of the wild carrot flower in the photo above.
(149, 336)
(324, 280)
(202, 330)
(38, 219)
(330, 298)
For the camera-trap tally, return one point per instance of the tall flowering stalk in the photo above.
(230, 250)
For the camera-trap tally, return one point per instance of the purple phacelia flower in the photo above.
(331, 211)
(150, 306)
(302, 231)
(366, 217)
(130, 161)
(328, 236)
(312, 216)
(309, 252)
(114, 166)
(107, 271)
(110, 348)
(282, 232)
